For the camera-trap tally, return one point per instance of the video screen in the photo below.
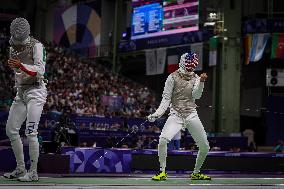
(157, 18)
(138, 3)
(147, 19)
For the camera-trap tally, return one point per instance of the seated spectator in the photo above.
(279, 147)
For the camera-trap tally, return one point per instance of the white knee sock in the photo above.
(162, 152)
(198, 133)
(17, 147)
(33, 151)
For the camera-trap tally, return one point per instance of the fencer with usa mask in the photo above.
(182, 88)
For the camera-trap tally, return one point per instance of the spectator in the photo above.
(279, 147)
(174, 144)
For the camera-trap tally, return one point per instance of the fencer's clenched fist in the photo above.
(152, 117)
(203, 77)
(14, 63)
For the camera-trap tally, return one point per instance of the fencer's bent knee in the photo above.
(204, 147)
(12, 134)
(162, 147)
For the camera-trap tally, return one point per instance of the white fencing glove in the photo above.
(152, 117)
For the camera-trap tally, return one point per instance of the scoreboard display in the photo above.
(147, 19)
(153, 18)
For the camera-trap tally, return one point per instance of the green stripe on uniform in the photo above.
(44, 55)
(274, 45)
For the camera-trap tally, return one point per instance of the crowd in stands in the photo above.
(81, 85)
(6, 75)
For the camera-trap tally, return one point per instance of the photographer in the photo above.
(65, 132)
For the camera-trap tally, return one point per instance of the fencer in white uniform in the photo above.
(27, 58)
(182, 88)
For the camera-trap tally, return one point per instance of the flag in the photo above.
(277, 49)
(198, 49)
(173, 61)
(247, 47)
(161, 55)
(155, 61)
(151, 62)
(259, 42)
(213, 43)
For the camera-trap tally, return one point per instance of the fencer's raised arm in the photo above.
(197, 88)
(39, 57)
(167, 95)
